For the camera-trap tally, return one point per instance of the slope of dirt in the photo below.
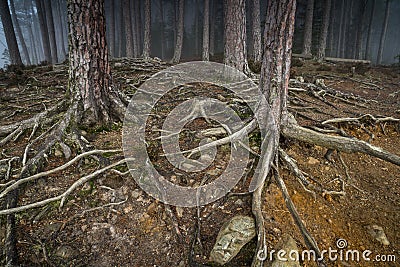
(110, 221)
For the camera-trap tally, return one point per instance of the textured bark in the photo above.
(89, 70)
(307, 37)
(383, 33)
(8, 27)
(324, 30)
(331, 30)
(137, 18)
(369, 34)
(43, 31)
(17, 28)
(235, 51)
(111, 31)
(147, 30)
(360, 25)
(212, 26)
(51, 30)
(179, 33)
(128, 29)
(61, 26)
(256, 31)
(274, 80)
(206, 31)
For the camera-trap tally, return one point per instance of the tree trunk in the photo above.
(324, 30)
(138, 26)
(206, 31)
(61, 27)
(44, 31)
(256, 31)
(8, 28)
(111, 45)
(51, 30)
(179, 33)
(147, 30)
(235, 51)
(383, 33)
(19, 33)
(369, 34)
(162, 30)
(332, 28)
(89, 70)
(307, 37)
(360, 21)
(128, 28)
(212, 26)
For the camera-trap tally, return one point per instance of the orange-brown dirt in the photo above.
(140, 231)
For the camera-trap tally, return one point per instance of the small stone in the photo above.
(300, 79)
(136, 193)
(58, 153)
(289, 246)
(213, 172)
(179, 211)
(66, 252)
(221, 98)
(239, 202)
(377, 232)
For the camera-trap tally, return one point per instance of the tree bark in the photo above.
(340, 34)
(128, 28)
(324, 30)
(383, 33)
(147, 29)
(212, 27)
(138, 26)
(179, 34)
(206, 31)
(235, 51)
(44, 31)
(89, 70)
(19, 33)
(61, 26)
(256, 31)
(51, 30)
(307, 37)
(12, 45)
(369, 34)
(112, 29)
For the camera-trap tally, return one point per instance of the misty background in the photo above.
(163, 28)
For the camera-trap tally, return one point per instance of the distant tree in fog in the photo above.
(307, 36)
(9, 33)
(18, 30)
(383, 33)
(256, 31)
(206, 31)
(179, 34)
(324, 29)
(147, 29)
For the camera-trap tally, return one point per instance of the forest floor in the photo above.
(111, 221)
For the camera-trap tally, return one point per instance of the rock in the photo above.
(300, 79)
(320, 82)
(287, 244)
(66, 252)
(377, 232)
(179, 211)
(312, 161)
(233, 235)
(58, 153)
(213, 172)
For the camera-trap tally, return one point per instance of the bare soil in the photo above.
(110, 221)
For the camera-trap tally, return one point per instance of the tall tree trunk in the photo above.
(133, 28)
(360, 25)
(206, 31)
(37, 35)
(12, 45)
(17, 27)
(343, 27)
(369, 34)
(138, 25)
(120, 28)
(162, 30)
(51, 30)
(61, 25)
(89, 70)
(147, 29)
(324, 30)
(128, 29)
(332, 22)
(383, 33)
(179, 33)
(235, 50)
(44, 31)
(256, 31)
(307, 37)
(111, 31)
